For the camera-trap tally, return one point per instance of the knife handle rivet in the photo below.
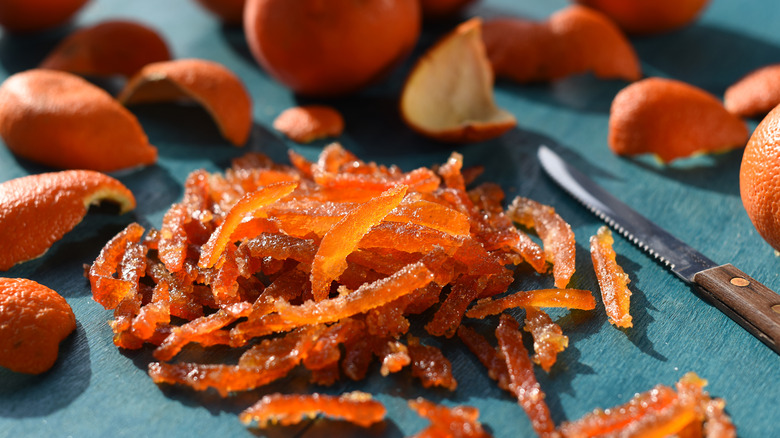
(776, 308)
(739, 281)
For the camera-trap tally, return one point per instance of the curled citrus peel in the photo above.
(671, 119)
(565, 298)
(304, 124)
(756, 93)
(285, 409)
(572, 41)
(218, 90)
(60, 120)
(448, 95)
(37, 210)
(115, 47)
(457, 422)
(33, 322)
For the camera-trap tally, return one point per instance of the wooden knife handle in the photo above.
(748, 302)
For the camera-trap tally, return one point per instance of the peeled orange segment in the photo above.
(304, 124)
(448, 95)
(33, 321)
(285, 409)
(458, 421)
(250, 203)
(60, 120)
(557, 235)
(218, 90)
(344, 237)
(671, 119)
(613, 282)
(572, 41)
(549, 339)
(756, 93)
(37, 210)
(566, 298)
(115, 47)
(365, 298)
(523, 381)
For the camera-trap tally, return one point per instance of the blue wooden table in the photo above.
(97, 390)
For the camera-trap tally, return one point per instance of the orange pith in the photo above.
(37, 210)
(330, 48)
(33, 322)
(671, 119)
(304, 124)
(60, 120)
(218, 90)
(428, 103)
(571, 41)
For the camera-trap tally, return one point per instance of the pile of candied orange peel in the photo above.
(321, 265)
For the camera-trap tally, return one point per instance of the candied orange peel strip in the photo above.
(613, 282)
(38, 210)
(456, 422)
(549, 339)
(356, 407)
(569, 298)
(221, 93)
(557, 236)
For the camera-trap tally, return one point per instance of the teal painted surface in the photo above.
(95, 390)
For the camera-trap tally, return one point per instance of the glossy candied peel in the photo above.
(613, 281)
(357, 407)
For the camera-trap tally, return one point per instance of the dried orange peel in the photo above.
(671, 119)
(217, 89)
(448, 95)
(306, 123)
(33, 322)
(115, 47)
(60, 120)
(613, 281)
(574, 40)
(37, 210)
(755, 94)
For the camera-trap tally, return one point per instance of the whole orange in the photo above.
(759, 178)
(330, 47)
(35, 15)
(642, 17)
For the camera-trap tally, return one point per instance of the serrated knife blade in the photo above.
(748, 302)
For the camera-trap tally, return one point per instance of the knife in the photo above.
(748, 302)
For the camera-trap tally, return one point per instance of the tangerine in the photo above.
(33, 321)
(759, 178)
(330, 47)
(644, 17)
(35, 15)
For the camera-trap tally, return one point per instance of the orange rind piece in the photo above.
(671, 119)
(613, 282)
(646, 17)
(217, 89)
(33, 322)
(247, 205)
(306, 123)
(523, 383)
(285, 409)
(37, 210)
(566, 298)
(116, 47)
(574, 40)
(557, 236)
(755, 94)
(448, 95)
(60, 120)
(456, 422)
